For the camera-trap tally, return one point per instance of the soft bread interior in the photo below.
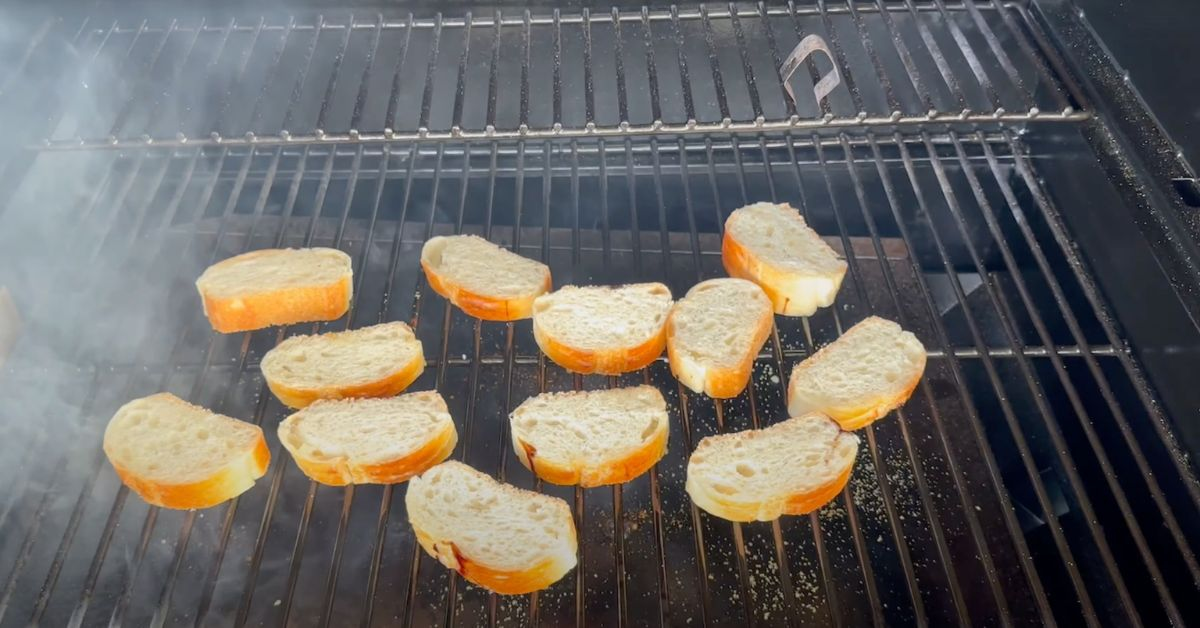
(274, 269)
(166, 440)
(342, 358)
(779, 236)
(483, 268)
(590, 429)
(716, 321)
(603, 317)
(366, 431)
(500, 526)
(874, 359)
(792, 457)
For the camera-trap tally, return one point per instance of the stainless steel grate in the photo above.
(507, 74)
(982, 500)
(1032, 479)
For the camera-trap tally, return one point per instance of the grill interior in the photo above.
(1032, 477)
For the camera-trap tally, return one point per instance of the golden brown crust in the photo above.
(284, 306)
(230, 481)
(602, 361)
(804, 503)
(619, 471)
(482, 306)
(858, 418)
(340, 471)
(741, 263)
(538, 576)
(389, 386)
(720, 382)
(797, 504)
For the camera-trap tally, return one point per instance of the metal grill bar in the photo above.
(1043, 90)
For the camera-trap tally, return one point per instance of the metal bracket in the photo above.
(807, 46)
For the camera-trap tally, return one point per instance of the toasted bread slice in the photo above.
(376, 361)
(791, 468)
(603, 329)
(591, 438)
(177, 455)
(370, 441)
(497, 536)
(484, 280)
(715, 332)
(860, 377)
(276, 287)
(772, 246)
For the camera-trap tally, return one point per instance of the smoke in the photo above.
(98, 255)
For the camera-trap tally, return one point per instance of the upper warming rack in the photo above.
(400, 76)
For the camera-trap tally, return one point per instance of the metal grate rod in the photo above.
(1052, 426)
(889, 505)
(969, 508)
(1019, 437)
(1139, 457)
(138, 93)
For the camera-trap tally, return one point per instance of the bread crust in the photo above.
(388, 386)
(796, 504)
(618, 471)
(483, 306)
(536, 577)
(230, 481)
(341, 471)
(860, 415)
(788, 301)
(718, 382)
(601, 361)
(283, 306)
(850, 419)
(546, 569)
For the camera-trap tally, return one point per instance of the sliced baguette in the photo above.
(715, 332)
(772, 246)
(370, 441)
(860, 377)
(591, 438)
(177, 455)
(376, 361)
(791, 468)
(276, 287)
(497, 536)
(482, 279)
(603, 329)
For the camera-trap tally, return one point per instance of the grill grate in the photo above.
(681, 70)
(981, 499)
(1031, 479)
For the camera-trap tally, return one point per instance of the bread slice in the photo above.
(370, 441)
(497, 536)
(603, 329)
(376, 361)
(715, 332)
(772, 246)
(276, 287)
(591, 438)
(860, 377)
(791, 468)
(177, 455)
(484, 280)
